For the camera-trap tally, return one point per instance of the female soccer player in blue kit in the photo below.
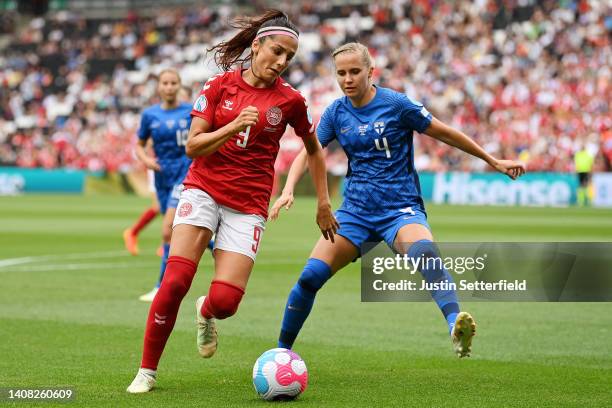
(374, 126)
(167, 123)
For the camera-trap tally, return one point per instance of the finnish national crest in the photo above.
(183, 123)
(379, 127)
(274, 115)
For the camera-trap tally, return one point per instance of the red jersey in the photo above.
(240, 173)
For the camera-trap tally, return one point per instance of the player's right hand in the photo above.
(327, 221)
(511, 168)
(247, 117)
(152, 164)
(285, 200)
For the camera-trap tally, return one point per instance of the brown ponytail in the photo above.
(228, 53)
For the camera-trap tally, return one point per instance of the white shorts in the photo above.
(235, 231)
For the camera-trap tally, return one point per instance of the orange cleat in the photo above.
(131, 241)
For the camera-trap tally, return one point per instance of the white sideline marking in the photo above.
(123, 265)
(75, 266)
(100, 255)
(21, 264)
(83, 255)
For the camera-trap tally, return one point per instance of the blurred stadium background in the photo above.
(527, 79)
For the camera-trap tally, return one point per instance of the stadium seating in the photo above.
(526, 81)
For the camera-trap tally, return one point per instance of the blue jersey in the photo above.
(169, 130)
(377, 139)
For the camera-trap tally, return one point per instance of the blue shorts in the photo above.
(361, 228)
(168, 197)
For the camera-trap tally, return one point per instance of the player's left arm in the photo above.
(453, 137)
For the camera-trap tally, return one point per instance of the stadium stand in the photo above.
(526, 79)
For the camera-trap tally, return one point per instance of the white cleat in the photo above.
(143, 382)
(149, 296)
(462, 334)
(207, 331)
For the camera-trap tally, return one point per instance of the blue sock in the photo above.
(162, 267)
(433, 272)
(301, 299)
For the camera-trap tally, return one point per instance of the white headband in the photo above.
(276, 30)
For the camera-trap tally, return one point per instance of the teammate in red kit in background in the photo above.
(238, 120)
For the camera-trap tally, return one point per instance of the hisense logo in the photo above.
(464, 188)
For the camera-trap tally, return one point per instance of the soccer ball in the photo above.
(279, 374)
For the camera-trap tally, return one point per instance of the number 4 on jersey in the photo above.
(385, 146)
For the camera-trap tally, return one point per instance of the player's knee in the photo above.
(224, 299)
(223, 308)
(431, 267)
(314, 275)
(423, 249)
(176, 282)
(175, 285)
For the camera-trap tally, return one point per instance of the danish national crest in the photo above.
(274, 115)
(185, 209)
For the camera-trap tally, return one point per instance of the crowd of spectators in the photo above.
(526, 79)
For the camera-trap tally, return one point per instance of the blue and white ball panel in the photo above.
(259, 379)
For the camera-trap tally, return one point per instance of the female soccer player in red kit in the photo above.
(238, 120)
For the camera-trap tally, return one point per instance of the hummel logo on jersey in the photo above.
(379, 127)
(345, 129)
(227, 104)
(424, 112)
(363, 129)
(170, 123)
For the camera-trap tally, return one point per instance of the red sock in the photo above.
(145, 218)
(164, 309)
(222, 300)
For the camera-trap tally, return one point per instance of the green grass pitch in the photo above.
(69, 316)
